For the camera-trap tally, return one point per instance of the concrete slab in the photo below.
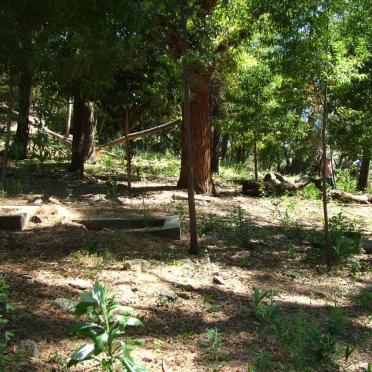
(171, 229)
(100, 223)
(15, 222)
(165, 227)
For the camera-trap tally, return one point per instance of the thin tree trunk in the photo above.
(8, 134)
(362, 183)
(127, 149)
(224, 143)
(83, 134)
(327, 237)
(24, 101)
(216, 142)
(194, 245)
(255, 160)
(68, 117)
(200, 127)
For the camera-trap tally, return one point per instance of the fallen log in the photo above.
(143, 133)
(348, 197)
(273, 183)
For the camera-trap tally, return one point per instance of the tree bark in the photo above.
(24, 101)
(200, 127)
(362, 183)
(194, 245)
(83, 134)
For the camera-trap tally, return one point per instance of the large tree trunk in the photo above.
(200, 136)
(24, 101)
(216, 142)
(83, 134)
(362, 183)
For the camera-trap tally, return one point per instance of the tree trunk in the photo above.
(216, 142)
(24, 101)
(200, 126)
(224, 143)
(194, 245)
(68, 117)
(362, 183)
(83, 134)
(327, 236)
(255, 161)
(8, 134)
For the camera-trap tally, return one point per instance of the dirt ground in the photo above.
(40, 261)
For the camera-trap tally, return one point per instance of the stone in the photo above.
(80, 284)
(35, 219)
(218, 280)
(29, 349)
(136, 265)
(184, 295)
(65, 304)
(26, 276)
(170, 296)
(13, 222)
(185, 261)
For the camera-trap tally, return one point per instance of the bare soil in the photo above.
(57, 250)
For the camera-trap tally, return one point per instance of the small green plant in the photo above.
(3, 192)
(106, 328)
(209, 223)
(349, 350)
(263, 305)
(365, 299)
(337, 320)
(239, 227)
(112, 185)
(263, 362)
(356, 268)
(213, 342)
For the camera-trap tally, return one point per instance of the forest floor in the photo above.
(191, 323)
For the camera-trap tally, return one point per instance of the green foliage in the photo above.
(345, 235)
(364, 299)
(5, 335)
(263, 362)
(312, 192)
(108, 321)
(345, 181)
(304, 342)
